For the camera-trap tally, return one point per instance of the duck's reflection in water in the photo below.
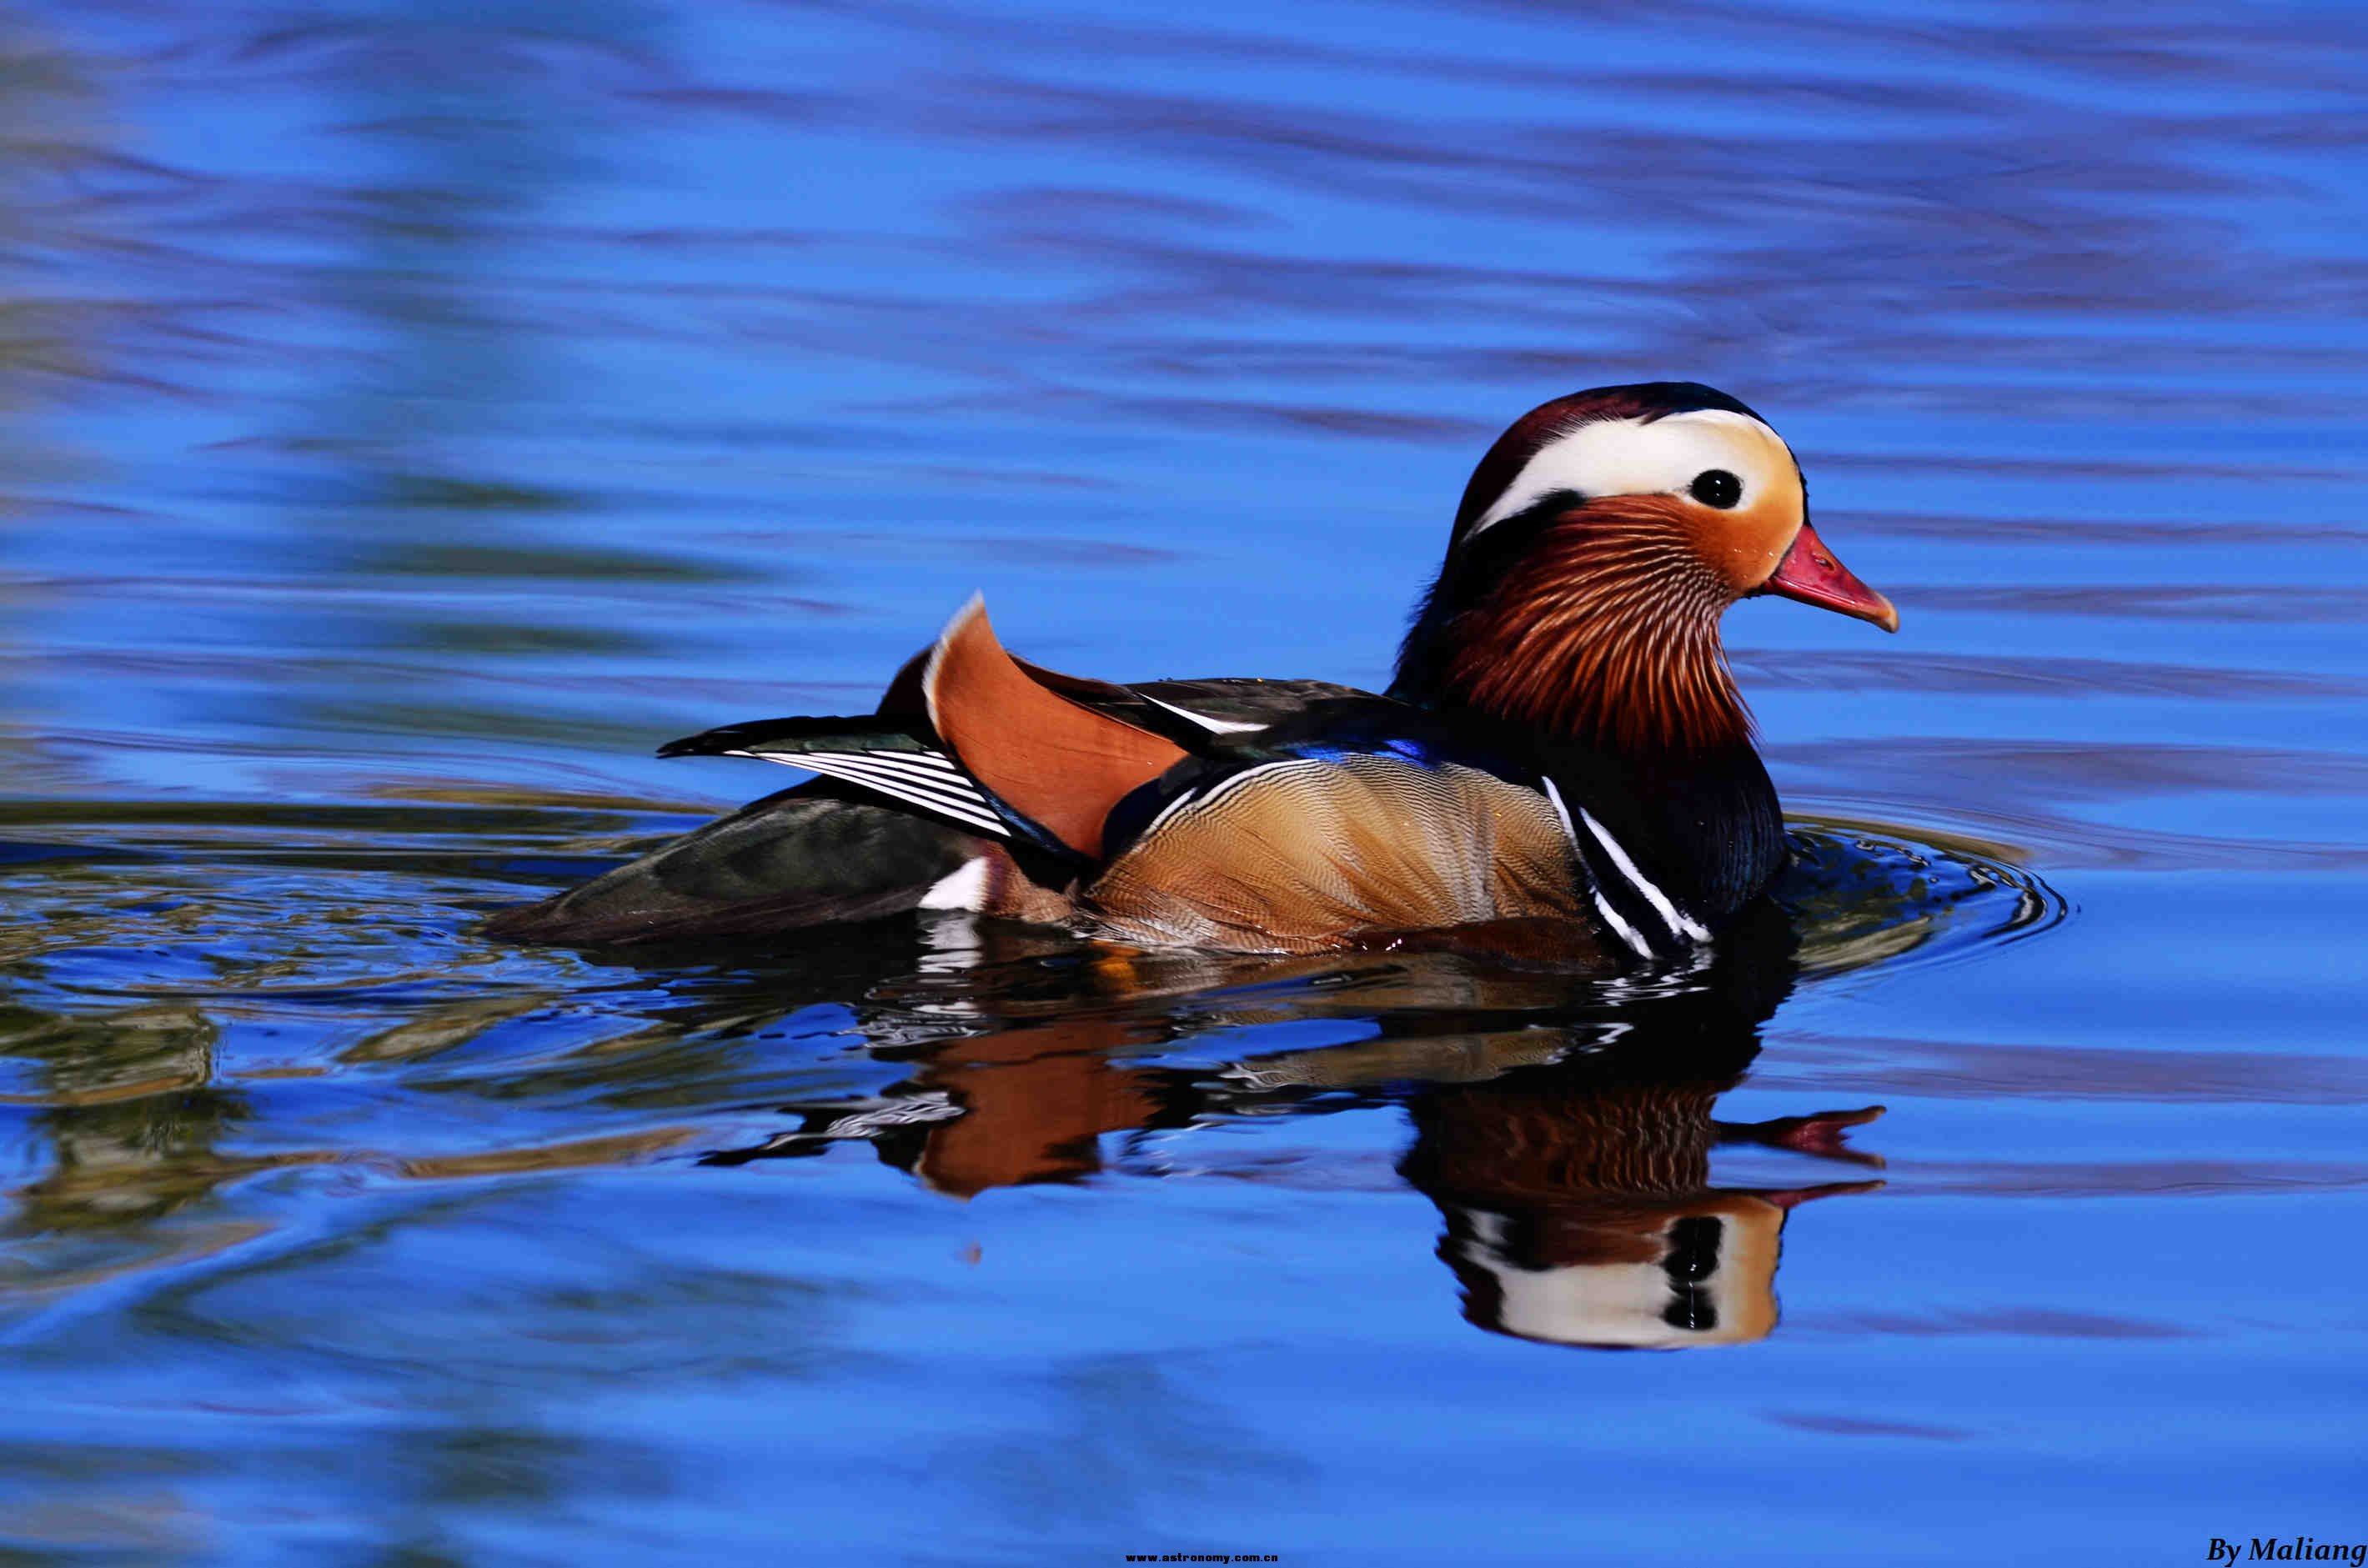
(1580, 1209)
(1563, 1124)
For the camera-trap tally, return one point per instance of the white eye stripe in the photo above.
(1634, 457)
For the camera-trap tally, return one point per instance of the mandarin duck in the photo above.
(1563, 764)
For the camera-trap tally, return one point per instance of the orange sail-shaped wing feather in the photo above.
(1062, 766)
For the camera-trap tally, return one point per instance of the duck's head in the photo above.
(1598, 543)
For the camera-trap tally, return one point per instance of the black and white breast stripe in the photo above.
(929, 779)
(1638, 912)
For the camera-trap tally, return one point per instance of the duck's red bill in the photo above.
(1811, 573)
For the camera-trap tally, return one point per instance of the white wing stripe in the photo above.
(965, 815)
(905, 763)
(954, 792)
(965, 808)
(952, 786)
(905, 790)
(1215, 726)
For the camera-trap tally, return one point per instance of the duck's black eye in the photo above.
(1715, 487)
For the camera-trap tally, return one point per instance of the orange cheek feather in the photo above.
(1745, 546)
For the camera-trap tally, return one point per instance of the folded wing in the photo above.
(884, 756)
(998, 749)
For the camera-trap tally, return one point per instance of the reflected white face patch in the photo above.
(1662, 457)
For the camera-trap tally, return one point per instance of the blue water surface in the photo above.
(416, 412)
